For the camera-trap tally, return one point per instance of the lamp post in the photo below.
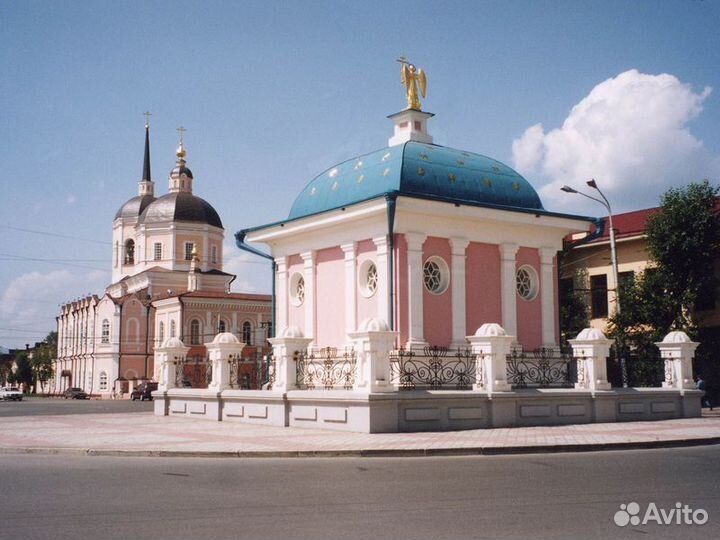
(613, 254)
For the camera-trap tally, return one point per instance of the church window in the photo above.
(130, 252)
(195, 332)
(173, 329)
(188, 251)
(103, 381)
(222, 326)
(157, 254)
(436, 275)
(527, 282)
(161, 332)
(105, 335)
(247, 333)
(213, 254)
(368, 278)
(297, 289)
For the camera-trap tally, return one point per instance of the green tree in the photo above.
(683, 241)
(574, 315)
(23, 371)
(42, 364)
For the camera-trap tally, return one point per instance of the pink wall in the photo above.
(401, 289)
(330, 283)
(366, 307)
(296, 314)
(483, 302)
(134, 332)
(437, 308)
(529, 313)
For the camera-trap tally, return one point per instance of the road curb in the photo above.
(369, 452)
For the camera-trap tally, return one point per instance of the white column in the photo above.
(415, 289)
(206, 252)
(457, 282)
(547, 295)
(677, 352)
(373, 344)
(290, 342)
(508, 286)
(281, 295)
(381, 263)
(491, 345)
(591, 349)
(350, 287)
(308, 258)
(220, 351)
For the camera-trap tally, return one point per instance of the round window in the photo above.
(436, 275)
(526, 281)
(368, 278)
(297, 289)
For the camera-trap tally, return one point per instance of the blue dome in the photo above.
(418, 170)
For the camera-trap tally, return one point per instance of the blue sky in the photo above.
(272, 93)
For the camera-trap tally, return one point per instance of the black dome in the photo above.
(181, 206)
(135, 206)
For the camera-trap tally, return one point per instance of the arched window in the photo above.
(161, 332)
(130, 252)
(195, 332)
(103, 381)
(247, 333)
(173, 330)
(222, 326)
(213, 254)
(105, 334)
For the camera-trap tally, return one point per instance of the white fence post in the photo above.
(168, 355)
(677, 351)
(219, 352)
(285, 346)
(591, 349)
(372, 345)
(491, 346)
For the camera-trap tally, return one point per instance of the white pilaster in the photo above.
(381, 263)
(415, 242)
(508, 287)
(547, 295)
(220, 351)
(309, 274)
(373, 344)
(677, 352)
(591, 349)
(350, 286)
(491, 345)
(457, 281)
(291, 341)
(281, 294)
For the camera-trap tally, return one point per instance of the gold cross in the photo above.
(147, 115)
(182, 131)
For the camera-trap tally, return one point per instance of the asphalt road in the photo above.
(35, 406)
(565, 496)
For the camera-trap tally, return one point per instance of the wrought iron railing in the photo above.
(194, 372)
(433, 367)
(543, 368)
(326, 368)
(251, 373)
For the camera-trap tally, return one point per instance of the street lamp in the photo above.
(613, 252)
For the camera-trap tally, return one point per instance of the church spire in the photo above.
(146, 185)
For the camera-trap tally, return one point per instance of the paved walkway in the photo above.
(143, 434)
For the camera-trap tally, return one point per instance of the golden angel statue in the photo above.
(414, 80)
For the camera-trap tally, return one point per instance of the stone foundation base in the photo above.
(428, 410)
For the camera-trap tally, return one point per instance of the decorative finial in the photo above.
(147, 115)
(194, 253)
(181, 149)
(415, 82)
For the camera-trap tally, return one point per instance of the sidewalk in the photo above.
(143, 434)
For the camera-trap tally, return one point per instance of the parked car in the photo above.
(144, 391)
(10, 393)
(75, 393)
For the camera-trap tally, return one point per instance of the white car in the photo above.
(10, 393)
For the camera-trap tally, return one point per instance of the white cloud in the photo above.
(30, 302)
(630, 133)
(252, 271)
